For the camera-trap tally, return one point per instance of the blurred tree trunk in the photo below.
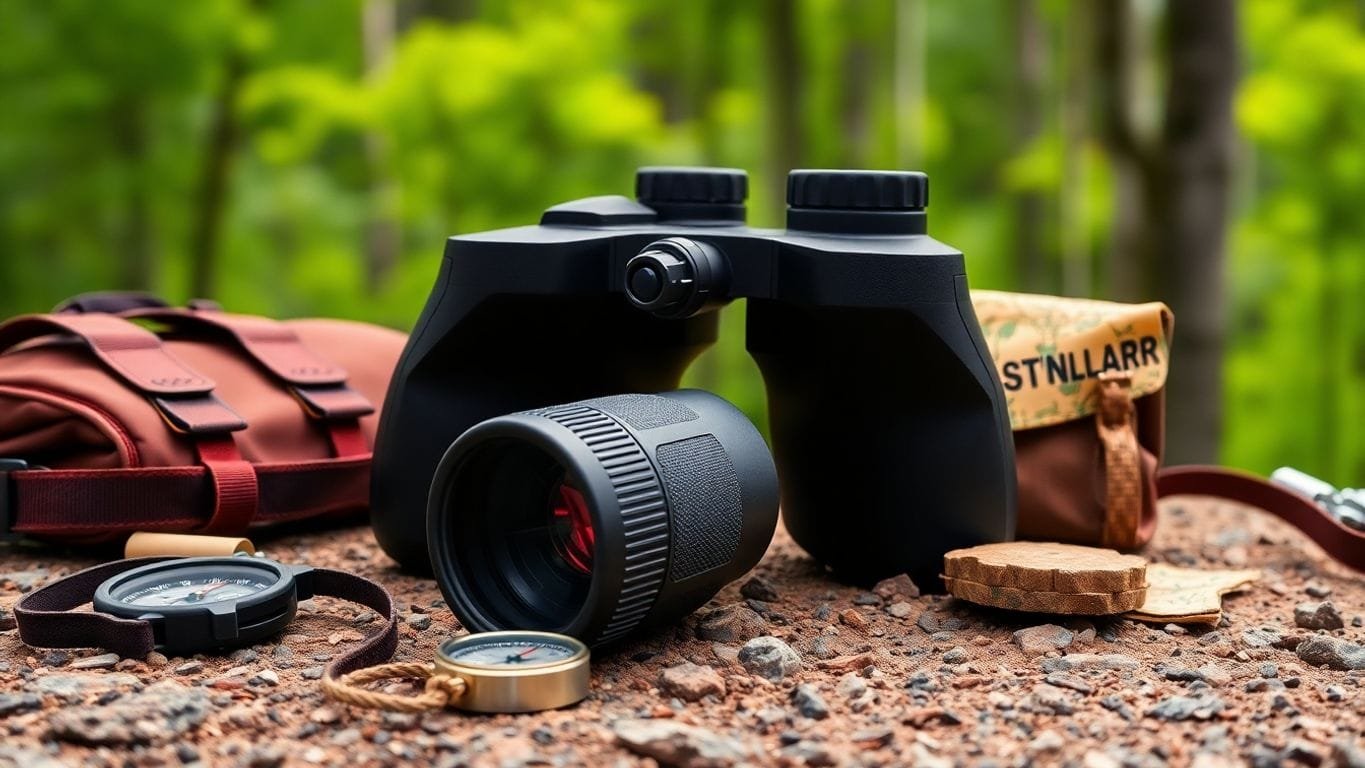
(211, 200)
(137, 266)
(1030, 48)
(908, 82)
(383, 236)
(1172, 244)
(784, 129)
(1077, 266)
(858, 63)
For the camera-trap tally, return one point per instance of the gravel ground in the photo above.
(783, 668)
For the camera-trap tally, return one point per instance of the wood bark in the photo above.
(137, 262)
(1170, 244)
(383, 235)
(211, 200)
(1030, 206)
(784, 130)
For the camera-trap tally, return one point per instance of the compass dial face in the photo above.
(192, 585)
(511, 650)
(193, 590)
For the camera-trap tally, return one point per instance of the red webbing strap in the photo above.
(235, 490)
(318, 384)
(75, 502)
(1342, 542)
(184, 397)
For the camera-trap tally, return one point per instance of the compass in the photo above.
(518, 671)
(201, 603)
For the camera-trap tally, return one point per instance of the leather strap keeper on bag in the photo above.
(118, 414)
(1084, 381)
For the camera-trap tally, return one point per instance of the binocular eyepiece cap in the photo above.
(857, 202)
(858, 190)
(695, 195)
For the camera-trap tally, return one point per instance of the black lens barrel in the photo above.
(682, 494)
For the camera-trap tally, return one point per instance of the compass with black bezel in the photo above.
(201, 603)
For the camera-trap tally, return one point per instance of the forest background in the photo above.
(308, 157)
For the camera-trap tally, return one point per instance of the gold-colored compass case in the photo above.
(523, 688)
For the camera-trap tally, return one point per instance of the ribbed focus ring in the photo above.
(644, 512)
(691, 185)
(858, 190)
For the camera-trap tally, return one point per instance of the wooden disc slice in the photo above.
(1079, 603)
(1047, 567)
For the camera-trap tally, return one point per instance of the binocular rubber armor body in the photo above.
(888, 422)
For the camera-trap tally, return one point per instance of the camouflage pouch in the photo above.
(1084, 381)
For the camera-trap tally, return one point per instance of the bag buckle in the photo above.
(1345, 505)
(7, 499)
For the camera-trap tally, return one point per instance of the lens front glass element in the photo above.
(571, 524)
(522, 538)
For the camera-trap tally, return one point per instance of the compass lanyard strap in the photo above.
(46, 619)
(376, 649)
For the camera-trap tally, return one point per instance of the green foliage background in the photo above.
(483, 113)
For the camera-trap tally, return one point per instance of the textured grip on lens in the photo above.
(707, 507)
(643, 513)
(644, 411)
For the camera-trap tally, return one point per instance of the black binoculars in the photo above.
(888, 422)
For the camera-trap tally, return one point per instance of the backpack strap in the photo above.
(1345, 544)
(182, 396)
(104, 503)
(136, 355)
(318, 384)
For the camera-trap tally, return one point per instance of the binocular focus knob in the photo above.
(675, 277)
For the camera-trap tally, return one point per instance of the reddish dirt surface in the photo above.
(884, 680)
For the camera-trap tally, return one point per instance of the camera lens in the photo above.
(600, 517)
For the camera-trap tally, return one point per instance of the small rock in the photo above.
(686, 746)
(1320, 591)
(809, 702)
(15, 703)
(807, 752)
(265, 677)
(901, 610)
(769, 658)
(731, 624)
(1200, 707)
(1063, 680)
(759, 588)
(1334, 693)
(1047, 741)
(852, 686)
(1322, 615)
(1262, 637)
(691, 682)
(72, 688)
(325, 716)
(156, 715)
(189, 668)
(955, 655)
(419, 621)
(54, 659)
(901, 585)
(311, 673)
(102, 661)
(1332, 652)
(1075, 662)
(853, 618)
(243, 656)
(872, 738)
(1036, 641)
(866, 598)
